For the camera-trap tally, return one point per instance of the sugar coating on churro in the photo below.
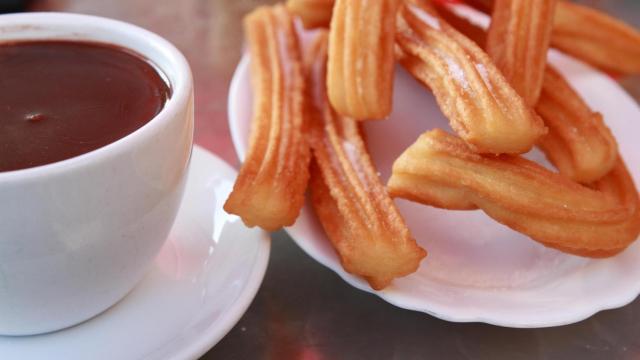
(597, 221)
(270, 187)
(359, 217)
(578, 143)
(471, 92)
(518, 42)
(361, 58)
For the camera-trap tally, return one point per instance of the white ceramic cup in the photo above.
(77, 235)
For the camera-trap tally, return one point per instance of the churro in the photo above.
(361, 58)
(313, 13)
(362, 222)
(597, 38)
(590, 35)
(598, 221)
(269, 190)
(578, 143)
(481, 106)
(518, 41)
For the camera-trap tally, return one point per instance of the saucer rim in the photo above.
(218, 329)
(193, 346)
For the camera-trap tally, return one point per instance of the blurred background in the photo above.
(13, 5)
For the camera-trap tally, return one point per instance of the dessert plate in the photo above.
(478, 270)
(201, 283)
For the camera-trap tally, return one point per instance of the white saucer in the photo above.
(201, 283)
(478, 270)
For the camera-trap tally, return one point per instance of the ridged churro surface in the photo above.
(578, 143)
(597, 221)
(361, 58)
(518, 41)
(590, 35)
(597, 38)
(270, 187)
(362, 222)
(471, 92)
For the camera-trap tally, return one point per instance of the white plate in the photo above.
(203, 280)
(477, 269)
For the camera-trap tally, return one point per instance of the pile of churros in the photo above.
(495, 87)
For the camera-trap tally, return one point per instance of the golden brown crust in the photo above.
(481, 106)
(596, 38)
(440, 170)
(361, 58)
(518, 41)
(353, 206)
(578, 143)
(313, 13)
(269, 190)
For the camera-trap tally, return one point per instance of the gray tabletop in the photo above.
(303, 310)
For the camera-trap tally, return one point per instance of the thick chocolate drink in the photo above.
(60, 99)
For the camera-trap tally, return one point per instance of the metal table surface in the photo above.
(303, 310)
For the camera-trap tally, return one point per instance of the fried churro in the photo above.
(440, 170)
(362, 222)
(597, 38)
(313, 13)
(578, 143)
(518, 41)
(590, 35)
(361, 58)
(269, 190)
(481, 106)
